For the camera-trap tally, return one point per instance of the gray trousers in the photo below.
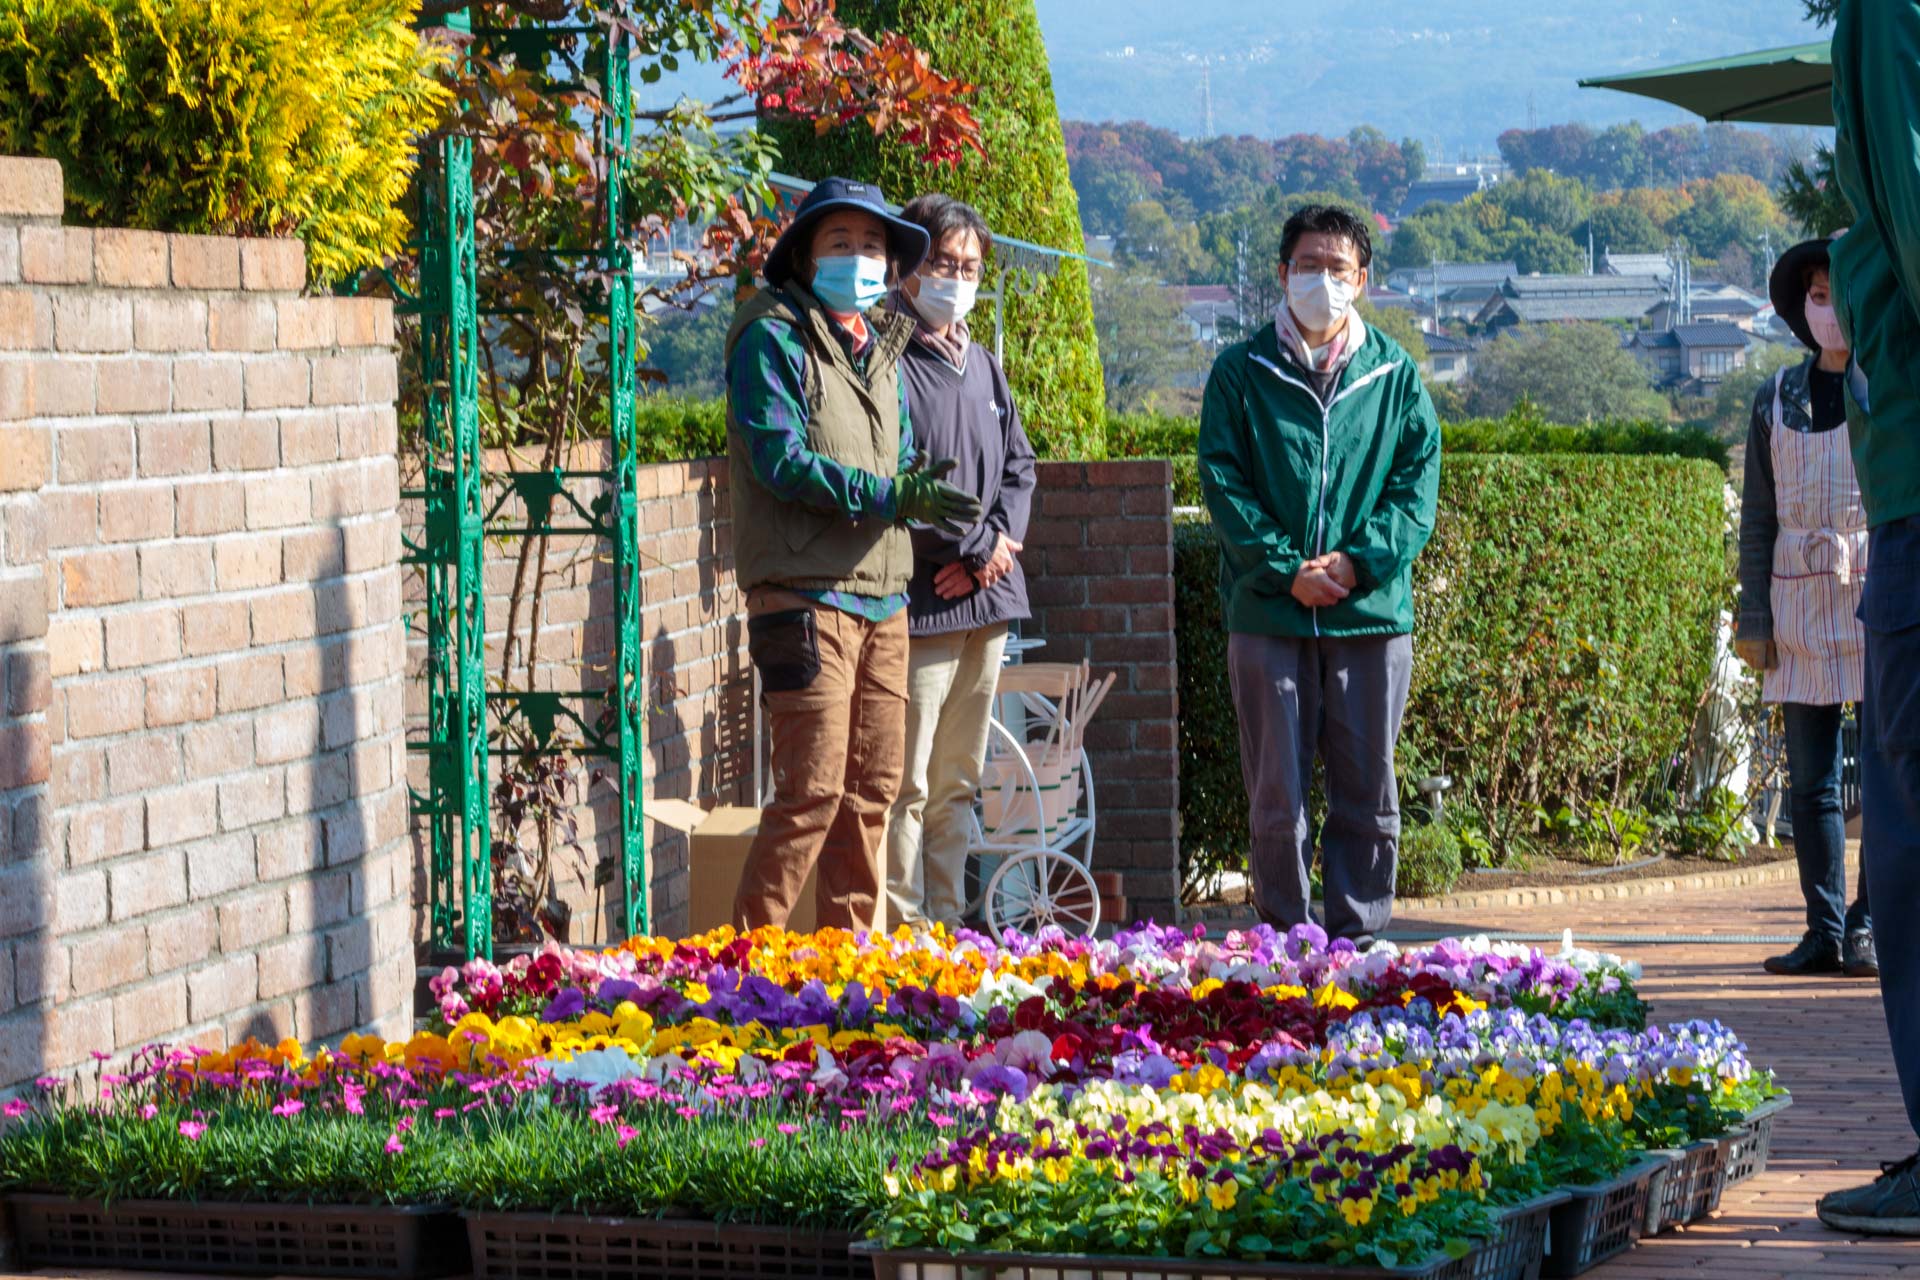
(1341, 699)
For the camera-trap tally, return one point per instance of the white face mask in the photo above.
(941, 301)
(1319, 301)
(1825, 323)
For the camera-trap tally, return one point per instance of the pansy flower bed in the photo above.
(1261, 1096)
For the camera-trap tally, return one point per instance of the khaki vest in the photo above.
(853, 420)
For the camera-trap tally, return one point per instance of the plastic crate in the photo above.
(237, 1239)
(1749, 1145)
(1519, 1249)
(538, 1246)
(933, 1264)
(1689, 1188)
(1599, 1221)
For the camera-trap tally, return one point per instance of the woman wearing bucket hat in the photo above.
(824, 481)
(1803, 562)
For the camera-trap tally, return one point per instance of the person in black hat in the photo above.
(1803, 564)
(824, 481)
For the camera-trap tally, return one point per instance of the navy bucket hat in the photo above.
(907, 243)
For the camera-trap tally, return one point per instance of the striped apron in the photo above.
(1819, 567)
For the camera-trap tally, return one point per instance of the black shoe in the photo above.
(1859, 956)
(1814, 955)
(1887, 1206)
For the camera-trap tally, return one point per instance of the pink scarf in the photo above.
(1352, 336)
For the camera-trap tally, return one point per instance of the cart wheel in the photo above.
(1038, 887)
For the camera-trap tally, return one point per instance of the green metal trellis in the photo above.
(463, 714)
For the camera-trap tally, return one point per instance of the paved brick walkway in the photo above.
(1825, 1038)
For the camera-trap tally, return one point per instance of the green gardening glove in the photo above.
(922, 495)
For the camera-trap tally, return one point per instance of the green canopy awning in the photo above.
(1774, 86)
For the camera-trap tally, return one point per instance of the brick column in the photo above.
(1099, 562)
(202, 827)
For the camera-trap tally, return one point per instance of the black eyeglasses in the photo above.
(951, 269)
(1347, 271)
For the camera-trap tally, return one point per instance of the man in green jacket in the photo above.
(1320, 459)
(1876, 290)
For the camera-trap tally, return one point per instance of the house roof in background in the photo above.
(1583, 286)
(1563, 308)
(1690, 335)
(1711, 335)
(1636, 264)
(1443, 343)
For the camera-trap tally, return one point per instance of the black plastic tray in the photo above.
(538, 1246)
(1599, 1221)
(397, 1242)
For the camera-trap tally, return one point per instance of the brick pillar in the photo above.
(1099, 562)
(202, 802)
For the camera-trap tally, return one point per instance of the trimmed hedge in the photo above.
(1565, 617)
(1524, 432)
(1021, 187)
(1156, 435)
(674, 428)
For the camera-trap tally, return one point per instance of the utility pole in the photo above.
(1766, 248)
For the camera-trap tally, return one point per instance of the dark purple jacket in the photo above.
(968, 415)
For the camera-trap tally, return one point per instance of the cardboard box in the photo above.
(718, 843)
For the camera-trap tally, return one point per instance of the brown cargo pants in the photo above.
(836, 698)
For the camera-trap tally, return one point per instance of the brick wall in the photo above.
(202, 816)
(1099, 561)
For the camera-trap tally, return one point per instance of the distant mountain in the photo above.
(1452, 73)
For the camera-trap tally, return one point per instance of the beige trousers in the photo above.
(951, 680)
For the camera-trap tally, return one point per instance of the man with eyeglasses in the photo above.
(1320, 461)
(967, 586)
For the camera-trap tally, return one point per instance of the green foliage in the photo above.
(255, 117)
(1430, 862)
(1545, 200)
(1626, 155)
(1812, 197)
(1145, 344)
(1481, 229)
(1169, 248)
(1151, 435)
(528, 1158)
(1728, 211)
(1525, 430)
(1574, 372)
(1621, 228)
(670, 428)
(1565, 614)
(1116, 165)
(1401, 325)
(1733, 401)
(1021, 186)
(1213, 797)
(689, 349)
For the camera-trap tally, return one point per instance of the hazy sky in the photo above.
(1453, 73)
